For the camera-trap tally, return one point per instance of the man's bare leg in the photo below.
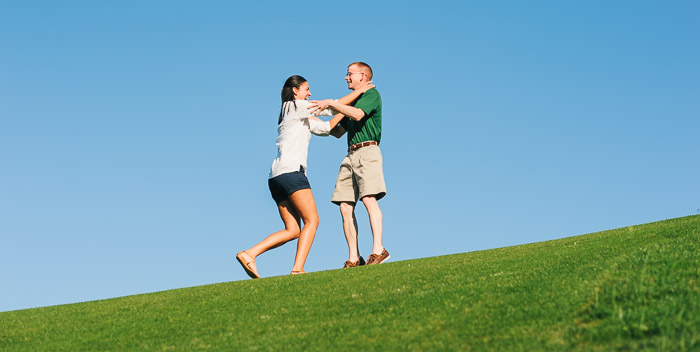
(375, 221)
(347, 211)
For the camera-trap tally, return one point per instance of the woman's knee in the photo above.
(311, 220)
(293, 230)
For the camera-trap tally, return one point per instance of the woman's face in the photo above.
(302, 93)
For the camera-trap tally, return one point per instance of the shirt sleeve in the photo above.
(292, 110)
(369, 101)
(326, 112)
(320, 128)
(303, 112)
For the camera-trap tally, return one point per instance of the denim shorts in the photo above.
(282, 186)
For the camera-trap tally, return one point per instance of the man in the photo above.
(361, 176)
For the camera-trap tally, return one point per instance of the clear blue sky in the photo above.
(136, 136)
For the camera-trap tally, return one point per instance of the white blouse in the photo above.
(294, 136)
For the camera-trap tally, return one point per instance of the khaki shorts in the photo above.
(360, 175)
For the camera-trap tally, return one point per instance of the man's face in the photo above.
(355, 77)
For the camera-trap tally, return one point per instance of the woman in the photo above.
(287, 181)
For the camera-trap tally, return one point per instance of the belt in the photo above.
(360, 145)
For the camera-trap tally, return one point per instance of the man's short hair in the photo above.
(364, 66)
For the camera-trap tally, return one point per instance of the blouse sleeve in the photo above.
(300, 109)
(326, 112)
(320, 128)
(302, 112)
(303, 108)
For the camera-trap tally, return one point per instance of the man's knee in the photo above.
(372, 206)
(370, 202)
(346, 209)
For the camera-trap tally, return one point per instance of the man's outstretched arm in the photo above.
(347, 110)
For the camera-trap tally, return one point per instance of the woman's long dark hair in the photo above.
(288, 93)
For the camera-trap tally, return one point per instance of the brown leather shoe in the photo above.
(378, 258)
(349, 264)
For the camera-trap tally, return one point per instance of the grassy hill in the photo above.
(633, 288)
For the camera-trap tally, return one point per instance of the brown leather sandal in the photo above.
(248, 266)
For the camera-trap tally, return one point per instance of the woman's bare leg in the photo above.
(291, 231)
(304, 203)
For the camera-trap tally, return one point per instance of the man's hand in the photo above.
(318, 105)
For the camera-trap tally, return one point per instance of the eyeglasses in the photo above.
(350, 73)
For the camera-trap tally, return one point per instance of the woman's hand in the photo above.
(365, 87)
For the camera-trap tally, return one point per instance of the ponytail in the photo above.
(288, 93)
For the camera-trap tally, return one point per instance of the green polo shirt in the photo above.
(370, 127)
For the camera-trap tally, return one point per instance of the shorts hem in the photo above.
(291, 191)
(378, 196)
(283, 186)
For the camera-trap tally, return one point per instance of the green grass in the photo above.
(633, 288)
